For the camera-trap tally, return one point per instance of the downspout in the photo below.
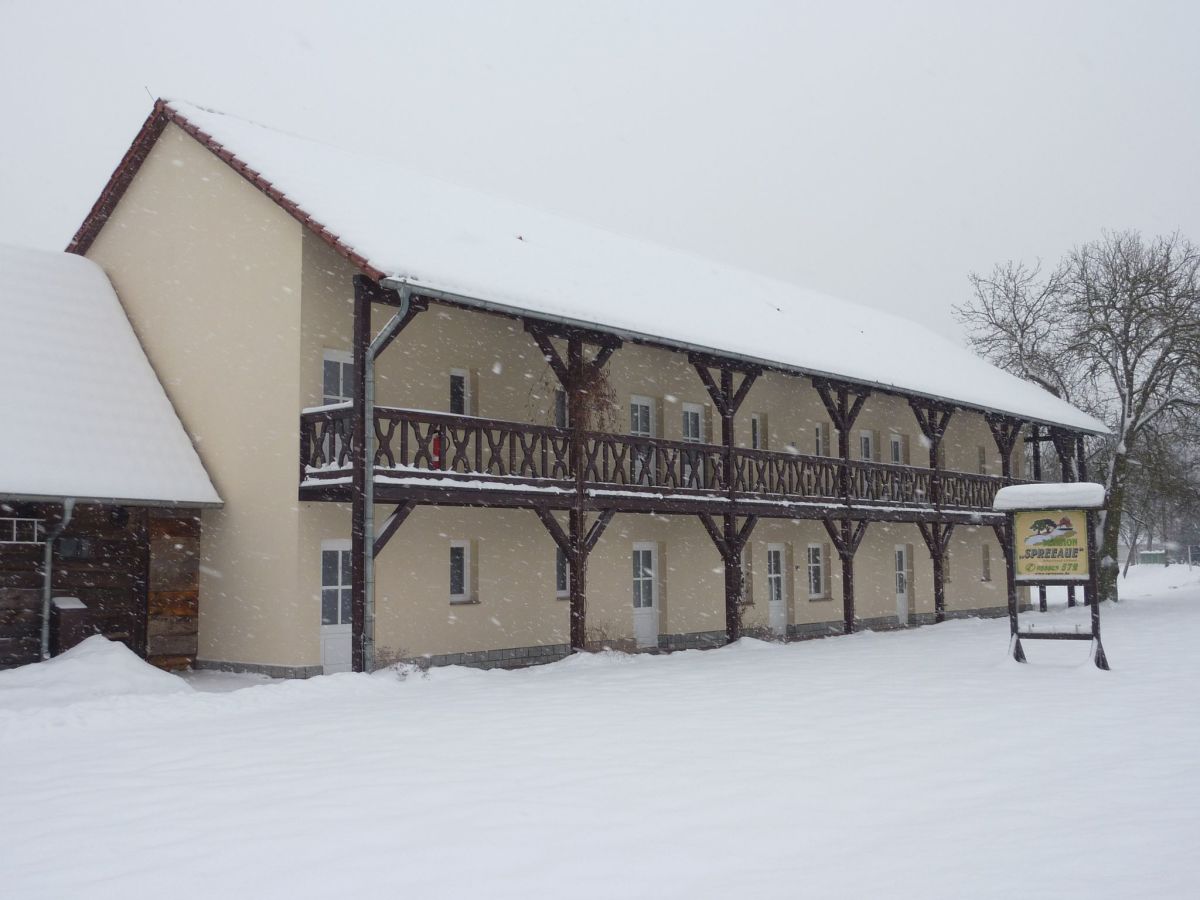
(376, 347)
(48, 571)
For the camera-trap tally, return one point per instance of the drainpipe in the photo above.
(375, 348)
(48, 571)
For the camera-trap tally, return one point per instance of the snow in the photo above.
(1050, 495)
(95, 669)
(85, 412)
(444, 237)
(922, 763)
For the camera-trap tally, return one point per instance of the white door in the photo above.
(645, 595)
(776, 590)
(902, 584)
(335, 607)
(641, 424)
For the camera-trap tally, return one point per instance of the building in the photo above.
(101, 491)
(576, 439)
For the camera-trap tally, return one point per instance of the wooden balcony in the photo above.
(463, 460)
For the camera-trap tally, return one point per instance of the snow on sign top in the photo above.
(1074, 495)
(448, 238)
(82, 412)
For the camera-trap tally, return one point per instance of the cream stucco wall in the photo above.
(208, 269)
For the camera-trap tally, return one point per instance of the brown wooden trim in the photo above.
(149, 134)
(392, 524)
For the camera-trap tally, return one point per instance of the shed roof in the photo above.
(392, 222)
(82, 411)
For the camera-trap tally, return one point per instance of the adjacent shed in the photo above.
(100, 486)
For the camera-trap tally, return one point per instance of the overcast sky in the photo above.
(876, 151)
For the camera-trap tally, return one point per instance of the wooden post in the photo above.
(937, 541)
(846, 539)
(361, 340)
(574, 374)
(1005, 431)
(731, 540)
(933, 418)
(843, 411)
(1035, 436)
(1004, 533)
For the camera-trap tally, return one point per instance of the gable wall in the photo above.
(208, 270)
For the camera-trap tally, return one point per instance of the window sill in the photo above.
(821, 599)
(562, 596)
(464, 601)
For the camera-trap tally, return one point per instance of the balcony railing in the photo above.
(418, 444)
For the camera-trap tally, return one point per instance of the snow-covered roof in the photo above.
(1052, 495)
(395, 223)
(82, 412)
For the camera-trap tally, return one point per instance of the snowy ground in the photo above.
(915, 764)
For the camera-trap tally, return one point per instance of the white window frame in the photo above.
(640, 400)
(561, 561)
(340, 546)
(468, 400)
(652, 549)
(758, 437)
(10, 525)
(776, 583)
(642, 463)
(985, 562)
(562, 409)
(866, 438)
(467, 594)
(343, 358)
(689, 410)
(896, 445)
(819, 568)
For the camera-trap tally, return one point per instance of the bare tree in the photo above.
(1115, 330)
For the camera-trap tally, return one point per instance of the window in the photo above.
(820, 443)
(758, 431)
(337, 377)
(335, 583)
(560, 409)
(641, 419)
(562, 572)
(983, 461)
(897, 450)
(986, 574)
(693, 431)
(15, 530)
(460, 392)
(641, 424)
(693, 422)
(643, 578)
(460, 572)
(866, 445)
(774, 573)
(816, 572)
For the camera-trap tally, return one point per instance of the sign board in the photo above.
(1051, 545)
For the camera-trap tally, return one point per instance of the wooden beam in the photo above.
(715, 533)
(392, 523)
(1005, 431)
(556, 530)
(597, 529)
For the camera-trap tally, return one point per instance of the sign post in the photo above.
(1051, 541)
